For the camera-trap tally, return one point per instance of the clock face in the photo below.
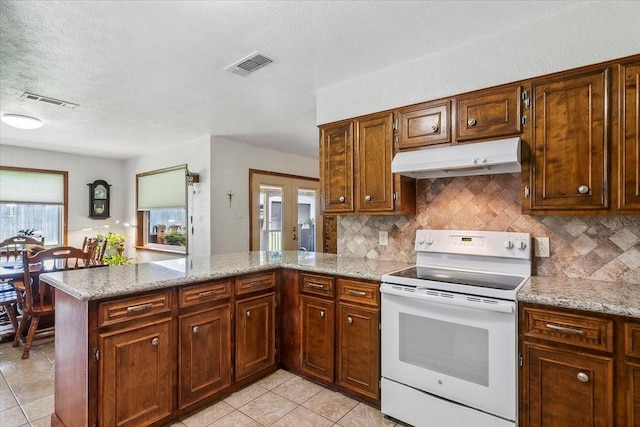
(100, 192)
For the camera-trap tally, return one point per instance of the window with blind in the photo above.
(33, 202)
(162, 209)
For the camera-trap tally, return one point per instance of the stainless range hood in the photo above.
(479, 158)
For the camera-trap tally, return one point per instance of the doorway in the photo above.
(285, 212)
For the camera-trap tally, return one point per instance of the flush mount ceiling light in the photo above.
(22, 122)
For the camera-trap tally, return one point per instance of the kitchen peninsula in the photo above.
(147, 343)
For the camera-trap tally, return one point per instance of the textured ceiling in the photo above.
(150, 74)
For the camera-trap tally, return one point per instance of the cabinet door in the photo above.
(255, 335)
(570, 143)
(336, 167)
(359, 352)
(374, 155)
(317, 337)
(489, 114)
(424, 124)
(205, 354)
(567, 388)
(135, 375)
(633, 394)
(629, 152)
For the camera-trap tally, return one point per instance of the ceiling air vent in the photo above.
(251, 63)
(48, 100)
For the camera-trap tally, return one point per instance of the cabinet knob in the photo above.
(349, 319)
(342, 199)
(321, 313)
(434, 128)
(583, 189)
(155, 341)
(471, 122)
(196, 329)
(248, 313)
(367, 198)
(582, 377)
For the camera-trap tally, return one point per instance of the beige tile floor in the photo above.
(281, 399)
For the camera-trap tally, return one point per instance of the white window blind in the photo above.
(31, 187)
(163, 190)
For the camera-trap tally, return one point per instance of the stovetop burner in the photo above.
(461, 277)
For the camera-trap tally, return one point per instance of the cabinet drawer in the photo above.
(584, 331)
(319, 285)
(632, 339)
(193, 295)
(126, 309)
(256, 282)
(359, 292)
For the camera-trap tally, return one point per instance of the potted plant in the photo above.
(114, 253)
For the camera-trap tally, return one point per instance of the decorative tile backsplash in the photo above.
(592, 247)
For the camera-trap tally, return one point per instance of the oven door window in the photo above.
(453, 349)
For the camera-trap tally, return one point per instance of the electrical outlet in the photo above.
(541, 247)
(383, 238)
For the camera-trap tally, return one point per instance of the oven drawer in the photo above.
(582, 331)
(359, 292)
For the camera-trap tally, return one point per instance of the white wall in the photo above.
(195, 154)
(597, 32)
(82, 170)
(230, 164)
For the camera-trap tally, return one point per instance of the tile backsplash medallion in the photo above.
(592, 247)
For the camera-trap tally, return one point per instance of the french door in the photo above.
(285, 213)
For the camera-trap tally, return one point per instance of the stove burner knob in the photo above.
(508, 244)
(429, 240)
(421, 241)
(521, 245)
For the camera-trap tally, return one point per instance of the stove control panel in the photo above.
(502, 244)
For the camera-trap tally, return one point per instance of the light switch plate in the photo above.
(383, 238)
(541, 247)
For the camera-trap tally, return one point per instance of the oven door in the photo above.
(458, 347)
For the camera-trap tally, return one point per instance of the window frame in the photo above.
(142, 216)
(65, 202)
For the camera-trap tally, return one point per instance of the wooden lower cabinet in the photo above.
(317, 343)
(567, 388)
(135, 375)
(255, 335)
(632, 394)
(359, 349)
(205, 354)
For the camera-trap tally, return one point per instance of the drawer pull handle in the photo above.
(321, 313)
(196, 329)
(208, 293)
(349, 319)
(155, 341)
(582, 377)
(315, 285)
(140, 307)
(565, 330)
(358, 293)
(258, 283)
(248, 313)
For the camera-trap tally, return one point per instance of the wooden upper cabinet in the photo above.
(489, 113)
(336, 167)
(629, 148)
(374, 155)
(424, 124)
(569, 142)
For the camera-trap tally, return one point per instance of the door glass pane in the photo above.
(452, 349)
(306, 220)
(271, 208)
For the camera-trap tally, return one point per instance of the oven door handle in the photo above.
(479, 303)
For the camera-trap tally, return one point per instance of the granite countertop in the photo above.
(107, 282)
(600, 297)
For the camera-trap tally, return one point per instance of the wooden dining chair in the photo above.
(95, 248)
(11, 250)
(36, 299)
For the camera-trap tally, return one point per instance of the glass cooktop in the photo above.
(484, 280)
